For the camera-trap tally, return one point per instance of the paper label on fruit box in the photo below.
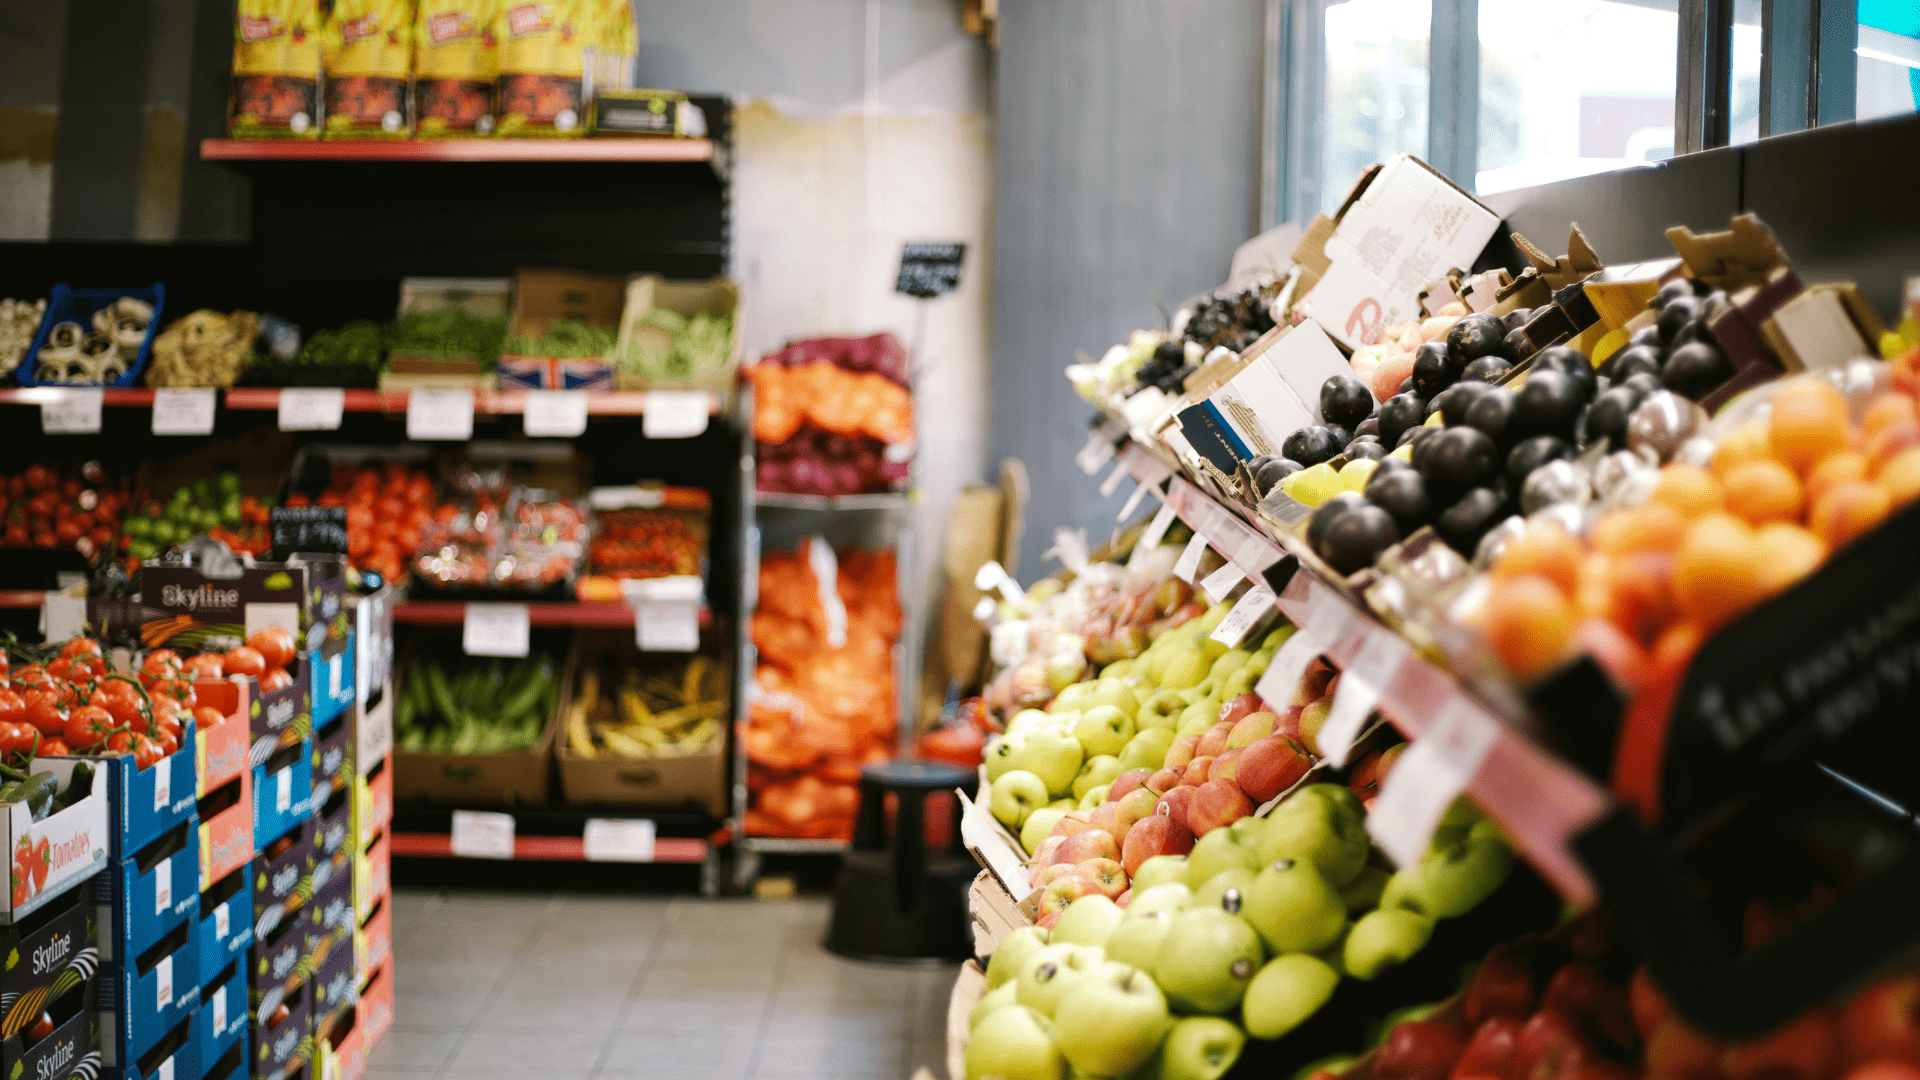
(163, 983)
(979, 833)
(495, 630)
(482, 835)
(618, 840)
(1282, 677)
(1134, 500)
(73, 411)
(164, 1071)
(442, 415)
(1112, 483)
(1247, 613)
(219, 1004)
(1189, 561)
(163, 783)
(283, 791)
(1097, 452)
(311, 410)
(1151, 536)
(1220, 583)
(675, 414)
(1430, 775)
(1362, 683)
(163, 887)
(182, 412)
(222, 922)
(559, 414)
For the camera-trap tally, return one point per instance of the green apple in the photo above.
(1138, 939)
(1317, 829)
(1090, 920)
(1381, 939)
(1457, 879)
(1097, 771)
(1406, 890)
(1340, 796)
(1001, 752)
(1218, 851)
(1364, 891)
(1094, 797)
(1146, 750)
(1114, 692)
(1187, 668)
(1196, 718)
(1205, 623)
(1070, 698)
(1053, 756)
(1162, 710)
(1247, 832)
(1245, 678)
(1455, 824)
(1014, 1044)
(1277, 637)
(1207, 960)
(1167, 896)
(1119, 669)
(1226, 890)
(1103, 730)
(1038, 826)
(1200, 1048)
(1052, 971)
(1012, 952)
(1063, 804)
(1287, 991)
(1293, 908)
(1158, 870)
(1112, 1022)
(1228, 662)
(997, 998)
(1016, 795)
(1027, 720)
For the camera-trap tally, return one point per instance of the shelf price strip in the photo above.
(482, 835)
(183, 412)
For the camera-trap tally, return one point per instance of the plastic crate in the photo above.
(68, 304)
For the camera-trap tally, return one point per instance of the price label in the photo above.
(1246, 614)
(1221, 582)
(335, 668)
(1189, 562)
(222, 921)
(163, 783)
(1428, 777)
(559, 414)
(163, 983)
(1362, 682)
(1255, 554)
(219, 1004)
(1097, 452)
(315, 409)
(164, 1071)
(283, 791)
(182, 412)
(71, 412)
(1112, 483)
(440, 415)
(666, 626)
(619, 840)
(482, 835)
(1282, 677)
(1134, 500)
(1156, 529)
(495, 630)
(163, 887)
(1330, 617)
(675, 414)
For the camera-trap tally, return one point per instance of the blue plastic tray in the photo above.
(68, 304)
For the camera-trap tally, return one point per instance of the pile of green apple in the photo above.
(1249, 934)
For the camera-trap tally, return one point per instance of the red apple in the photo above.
(1158, 834)
(1126, 782)
(1106, 876)
(1250, 729)
(1167, 779)
(1271, 766)
(1223, 766)
(1076, 821)
(1371, 771)
(1213, 741)
(1181, 751)
(1043, 855)
(1063, 891)
(1217, 803)
(1884, 1022)
(1123, 899)
(1312, 684)
(1046, 920)
(1289, 723)
(1544, 1041)
(1138, 804)
(1678, 1051)
(1092, 844)
(1050, 873)
(1503, 986)
(1580, 992)
(1313, 716)
(1646, 1002)
(1174, 805)
(1808, 1048)
(1238, 707)
(1196, 773)
(1418, 1050)
(1490, 1052)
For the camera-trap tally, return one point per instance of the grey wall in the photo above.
(1127, 164)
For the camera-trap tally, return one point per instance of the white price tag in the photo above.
(1189, 561)
(219, 1004)
(222, 921)
(315, 409)
(1254, 553)
(1156, 529)
(164, 1071)
(1220, 583)
(481, 835)
(182, 412)
(1246, 614)
(619, 840)
(1134, 500)
(1097, 452)
(283, 791)
(1428, 777)
(334, 673)
(163, 887)
(71, 411)
(1282, 677)
(163, 783)
(1330, 616)
(1112, 483)
(675, 414)
(560, 414)
(666, 626)
(163, 983)
(440, 415)
(1362, 682)
(495, 630)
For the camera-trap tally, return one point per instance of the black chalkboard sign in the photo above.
(321, 529)
(929, 270)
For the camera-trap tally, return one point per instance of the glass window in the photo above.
(1888, 78)
(1376, 88)
(1573, 87)
(1744, 119)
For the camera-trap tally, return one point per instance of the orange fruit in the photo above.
(1763, 491)
(1882, 445)
(1651, 526)
(1640, 594)
(1835, 470)
(1787, 554)
(1748, 442)
(1901, 476)
(1716, 572)
(1544, 549)
(1691, 490)
(1808, 424)
(1527, 621)
(1848, 509)
(1888, 408)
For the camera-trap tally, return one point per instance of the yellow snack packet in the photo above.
(275, 89)
(368, 56)
(455, 58)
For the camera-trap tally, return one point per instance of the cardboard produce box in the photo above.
(147, 1002)
(221, 1021)
(70, 1050)
(502, 777)
(717, 296)
(144, 896)
(662, 781)
(542, 298)
(226, 830)
(61, 850)
(226, 924)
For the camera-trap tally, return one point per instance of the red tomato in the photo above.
(274, 644)
(274, 678)
(168, 742)
(146, 753)
(55, 747)
(206, 666)
(207, 716)
(80, 646)
(44, 712)
(39, 477)
(243, 660)
(88, 725)
(41, 1027)
(13, 707)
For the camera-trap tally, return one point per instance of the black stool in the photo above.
(894, 901)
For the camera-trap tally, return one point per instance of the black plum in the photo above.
(1369, 426)
(1476, 335)
(1325, 514)
(1405, 387)
(1492, 414)
(1309, 445)
(1354, 539)
(1458, 398)
(1677, 314)
(1546, 404)
(1402, 493)
(1517, 318)
(1345, 401)
(1695, 369)
(1607, 418)
(1402, 411)
(1678, 287)
(1434, 369)
(1532, 453)
(1369, 449)
(1468, 519)
(1569, 362)
(1646, 335)
(1633, 360)
(1457, 459)
(1268, 470)
(1515, 347)
(1418, 437)
(1642, 382)
(1486, 369)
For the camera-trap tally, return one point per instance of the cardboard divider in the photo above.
(373, 940)
(373, 729)
(220, 750)
(372, 804)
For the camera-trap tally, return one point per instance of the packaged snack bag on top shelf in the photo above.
(537, 91)
(275, 90)
(369, 54)
(455, 56)
(612, 41)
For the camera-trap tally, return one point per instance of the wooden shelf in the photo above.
(621, 149)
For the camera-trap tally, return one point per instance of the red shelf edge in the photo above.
(545, 848)
(608, 149)
(604, 614)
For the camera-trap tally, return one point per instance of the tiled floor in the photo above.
(567, 987)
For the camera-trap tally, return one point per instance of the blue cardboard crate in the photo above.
(332, 687)
(223, 1017)
(146, 998)
(174, 1057)
(234, 1064)
(141, 898)
(282, 790)
(226, 923)
(68, 304)
(143, 803)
